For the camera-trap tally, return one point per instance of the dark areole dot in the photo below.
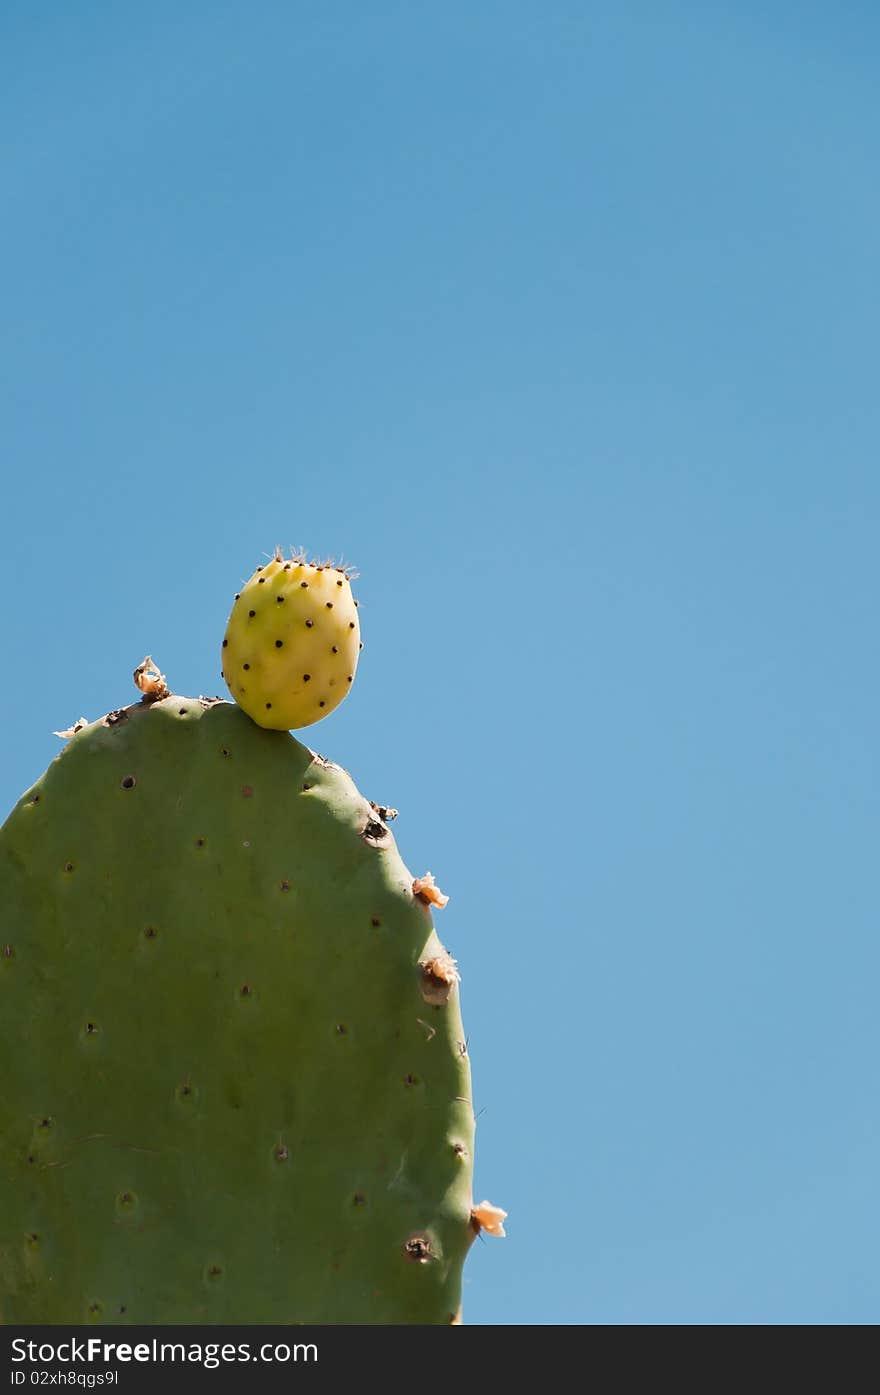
(200, 842)
(68, 866)
(245, 665)
(361, 645)
(341, 1029)
(262, 582)
(418, 1248)
(351, 624)
(307, 787)
(375, 920)
(307, 678)
(268, 705)
(351, 678)
(91, 1028)
(279, 598)
(252, 613)
(304, 583)
(334, 650)
(339, 583)
(259, 569)
(287, 566)
(282, 1153)
(279, 643)
(309, 624)
(329, 605)
(322, 703)
(359, 1199)
(128, 782)
(182, 712)
(357, 603)
(245, 990)
(285, 885)
(150, 932)
(36, 799)
(237, 596)
(226, 644)
(224, 750)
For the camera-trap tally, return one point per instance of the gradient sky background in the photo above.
(560, 321)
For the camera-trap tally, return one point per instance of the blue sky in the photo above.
(559, 320)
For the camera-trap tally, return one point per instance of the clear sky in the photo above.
(559, 319)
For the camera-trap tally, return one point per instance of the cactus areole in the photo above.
(235, 1087)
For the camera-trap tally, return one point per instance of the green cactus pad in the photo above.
(232, 1090)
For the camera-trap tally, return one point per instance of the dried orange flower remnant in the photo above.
(442, 967)
(71, 731)
(439, 976)
(489, 1218)
(150, 681)
(425, 890)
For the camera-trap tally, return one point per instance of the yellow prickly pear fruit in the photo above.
(292, 641)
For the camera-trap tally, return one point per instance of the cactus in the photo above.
(292, 642)
(235, 1080)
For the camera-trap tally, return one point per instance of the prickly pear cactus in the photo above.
(234, 1081)
(292, 642)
